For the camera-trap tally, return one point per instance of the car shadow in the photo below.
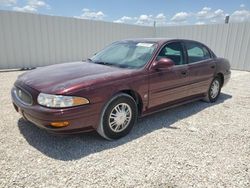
(73, 147)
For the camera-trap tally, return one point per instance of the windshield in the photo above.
(125, 54)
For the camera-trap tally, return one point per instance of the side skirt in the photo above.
(171, 105)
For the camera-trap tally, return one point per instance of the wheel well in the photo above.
(136, 97)
(220, 75)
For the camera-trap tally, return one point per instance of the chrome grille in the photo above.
(23, 96)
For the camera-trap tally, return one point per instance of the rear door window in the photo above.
(196, 52)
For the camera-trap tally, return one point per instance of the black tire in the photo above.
(209, 96)
(104, 128)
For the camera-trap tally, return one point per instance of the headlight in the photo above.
(60, 101)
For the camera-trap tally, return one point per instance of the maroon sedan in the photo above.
(126, 80)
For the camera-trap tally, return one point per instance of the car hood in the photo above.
(69, 77)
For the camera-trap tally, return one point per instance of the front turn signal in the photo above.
(59, 124)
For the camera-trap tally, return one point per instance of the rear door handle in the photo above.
(212, 67)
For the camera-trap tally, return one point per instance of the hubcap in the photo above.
(120, 117)
(215, 88)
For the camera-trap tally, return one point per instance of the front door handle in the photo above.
(213, 66)
(184, 73)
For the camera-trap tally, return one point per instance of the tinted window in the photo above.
(173, 51)
(196, 52)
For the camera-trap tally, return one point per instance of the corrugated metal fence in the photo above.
(231, 41)
(31, 40)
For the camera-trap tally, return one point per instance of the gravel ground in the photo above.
(195, 145)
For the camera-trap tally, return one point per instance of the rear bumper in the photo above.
(81, 119)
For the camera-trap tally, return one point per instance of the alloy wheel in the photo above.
(120, 117)
(215, 88)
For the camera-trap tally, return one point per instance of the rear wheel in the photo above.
(118, 117)
(214, 90)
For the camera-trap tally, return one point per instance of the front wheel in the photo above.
(118, 117)
(214, 90)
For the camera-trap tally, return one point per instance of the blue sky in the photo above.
(144, 12)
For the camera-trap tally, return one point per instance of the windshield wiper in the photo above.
(90, 60)
(99, 62)
(104, 63)
(125, 66)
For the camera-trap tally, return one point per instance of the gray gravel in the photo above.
(198, 144)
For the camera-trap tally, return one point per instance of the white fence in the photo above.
(31, 40)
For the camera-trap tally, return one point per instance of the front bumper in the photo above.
(81, 118)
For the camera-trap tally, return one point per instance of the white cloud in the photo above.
(26, 8)
(240, 16)
(124, 19)
(160, 19)
(218, 12)
(180, 17)
(118, 21)
(37, 3)
(32, 6)
(145, 20)
(91, 15)
(160, 16)
(205, 16)
(7, 2)
(208, 15)
(205, 13)
(218, 16)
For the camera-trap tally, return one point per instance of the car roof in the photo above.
(157, 40)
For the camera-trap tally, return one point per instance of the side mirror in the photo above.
(163, 63)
